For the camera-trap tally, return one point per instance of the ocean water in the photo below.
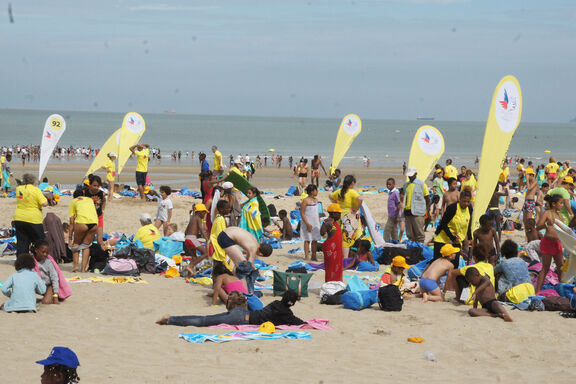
(385, 142)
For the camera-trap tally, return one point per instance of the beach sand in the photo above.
(111, 327)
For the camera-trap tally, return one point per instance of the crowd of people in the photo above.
(228, 231)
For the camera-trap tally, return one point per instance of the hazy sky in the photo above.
(392, 59)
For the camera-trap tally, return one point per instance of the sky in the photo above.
(395, 59)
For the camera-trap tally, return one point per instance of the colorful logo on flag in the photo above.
(504, 103)
(48, 135)
(426, 138)
(430, 141)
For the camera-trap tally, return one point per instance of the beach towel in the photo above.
(64, 290)
(251, 219)
(319, 324)
(168, 247)
(109, 280)
(242, 336)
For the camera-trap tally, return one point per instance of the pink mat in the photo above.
(310, 324)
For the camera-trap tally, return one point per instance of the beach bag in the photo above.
(335, 299)
(297, 282)
(360, 299)
(356, 284)
(291, 191)
(331, 287)
(272, 210)
(121, 267)
(390, 299)
(98, 257)
(145, 260)
(556, 303)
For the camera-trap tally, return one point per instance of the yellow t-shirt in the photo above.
(84, 210)
(147, 234)
(349, 202)
(218, 225)
(450, 171)
(458, 226)
(552, 168)
(142, 164)
(29, 200)
(410, 191)
(504, 175)
(485, 269)
(217, 160)
(111, 170)
(561, 174)
(238, 171)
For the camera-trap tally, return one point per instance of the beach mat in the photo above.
(242, 336)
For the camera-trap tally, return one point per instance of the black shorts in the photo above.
(141, 178)
(225, 241)
(91, 225)
(489, 304)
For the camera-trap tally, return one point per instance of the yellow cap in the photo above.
(568, 180)
(529, 171)
(400, 261)
(334, 207)
(448, 249)
(267, 327)
(200, 207)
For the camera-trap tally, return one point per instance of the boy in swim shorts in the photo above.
(486, 296)
(230, 240)
(429, 280)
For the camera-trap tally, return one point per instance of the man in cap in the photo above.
(147, 233)
(60, 366)
(191, 243)
(416, 202)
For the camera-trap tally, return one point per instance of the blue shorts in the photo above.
(225, 241)
(428, 284)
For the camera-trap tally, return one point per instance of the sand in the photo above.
(111, 328)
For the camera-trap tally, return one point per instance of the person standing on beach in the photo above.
(27, 219)
(303, 173)
(142, 152)
(529, 208)
(416, 202)
(451, 196)
(218, 165)
(450, 171)
(290, 162)
(394, 206)
(110, 168)
(316, 163)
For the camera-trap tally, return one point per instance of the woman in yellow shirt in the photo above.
(350, 202)
(83, 227)
(469, 183)
(28, 213)
(110, 168)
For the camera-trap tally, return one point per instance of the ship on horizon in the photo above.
(425, 118)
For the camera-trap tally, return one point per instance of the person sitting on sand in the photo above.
(429, 282)
(47, 269)
(362, 254)
(278, 312)
(60, 367)
(514, 282)
(225, 283)
(147, 233)
(456, 276)
(485, 295)
(22, 286)
(191, 243)
(286, 228)
(230, 240)
(488, 236)
(394, 274)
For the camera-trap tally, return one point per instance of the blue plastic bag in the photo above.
(355, 284)
(366, 266)
(291, 191)
(360, 299)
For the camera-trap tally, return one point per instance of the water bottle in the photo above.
(430, 356)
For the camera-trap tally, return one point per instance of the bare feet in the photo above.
(163, 320)
(507, 317)
(75, 269)
(424, 297)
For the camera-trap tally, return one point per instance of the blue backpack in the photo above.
(359, 299)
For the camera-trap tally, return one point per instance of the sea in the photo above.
(385, 142)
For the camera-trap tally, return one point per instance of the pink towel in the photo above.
(64, 290)
(310, 324)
